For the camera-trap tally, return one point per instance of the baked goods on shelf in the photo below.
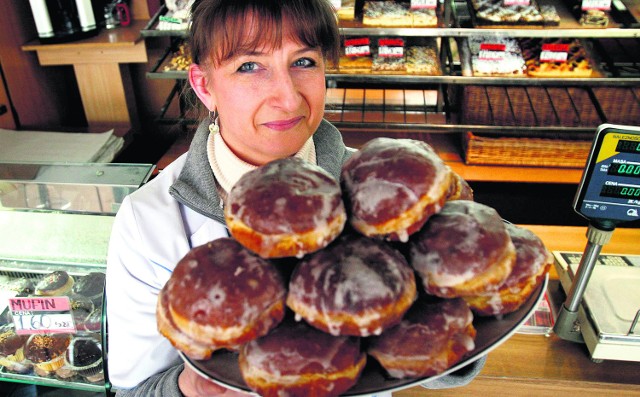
(12, 350)
(180, 59)
(497, 13)
(558, 57)
(496, 56)
(382, 64)
(423, 60)
(298, 360)
(594, 18)
(288, 207)
(532, 264)
(398, 14)
(84, 357)
(386, 14)
(56, 283)
(46, 352)
(431, 338)
(90, 286)
(392, 186)
(220, 295)
(356, 286)
(464, 250)
(355, 64)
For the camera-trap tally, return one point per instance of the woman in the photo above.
(258, 67)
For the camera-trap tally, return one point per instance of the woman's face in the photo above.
(270, 101)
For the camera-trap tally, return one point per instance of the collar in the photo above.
(195, 187)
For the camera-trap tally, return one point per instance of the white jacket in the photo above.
(154, 228)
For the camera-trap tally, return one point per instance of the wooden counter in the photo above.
(104, 84)
(536, 365)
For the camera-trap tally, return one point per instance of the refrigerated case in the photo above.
(56, 221)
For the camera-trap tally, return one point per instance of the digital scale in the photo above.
(602, 308)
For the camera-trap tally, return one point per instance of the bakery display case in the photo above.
(588, 76)
(56, 222)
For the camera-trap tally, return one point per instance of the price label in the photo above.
(357, 47)
(492, 52)
(42, 315)
(554, 53)
(603, 5)
(391, 48)
(418, 4)
(337, 4)
(524, 3)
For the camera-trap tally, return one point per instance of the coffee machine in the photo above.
(59, 21)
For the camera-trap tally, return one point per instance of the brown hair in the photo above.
(218, 27)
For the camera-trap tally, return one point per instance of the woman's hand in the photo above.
(193, 385)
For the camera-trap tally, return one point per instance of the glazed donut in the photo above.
(298, 360)
(464, 250)
(56, 283)
(392, 186)
(533, 261)
(431, 338)
(221, 295)
(91, 286)
(357, 286)
(288, 207)
(460, 189)
(178, 339)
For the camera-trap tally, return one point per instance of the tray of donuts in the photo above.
(379, 281)
(51, 325)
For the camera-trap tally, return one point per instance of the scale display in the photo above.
(609, 192)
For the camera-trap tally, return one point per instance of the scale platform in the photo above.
(610, 310)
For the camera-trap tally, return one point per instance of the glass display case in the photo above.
(56, 221)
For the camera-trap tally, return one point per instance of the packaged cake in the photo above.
(551, 57)
(496, 56)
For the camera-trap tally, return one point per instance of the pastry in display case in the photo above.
(56, 224)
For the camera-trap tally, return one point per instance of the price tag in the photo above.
(492, 52)
(554, 53)
(603, 5)
(418, 4)
(524, 3)
(42, 315)
(357, 47)
(337, 4)
(391, 48)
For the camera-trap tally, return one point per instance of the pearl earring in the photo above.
(213, 127)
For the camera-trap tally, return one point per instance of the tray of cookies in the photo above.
(385, 278)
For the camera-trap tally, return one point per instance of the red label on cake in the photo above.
(603, 5)
(357, 47)
(42, 315)
(493, 47)
(554, 52)
(422, 4)
(391, 48)
(555, 47)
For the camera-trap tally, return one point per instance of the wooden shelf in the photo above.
(105, 87)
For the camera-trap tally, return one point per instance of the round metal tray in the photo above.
(222, 368)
